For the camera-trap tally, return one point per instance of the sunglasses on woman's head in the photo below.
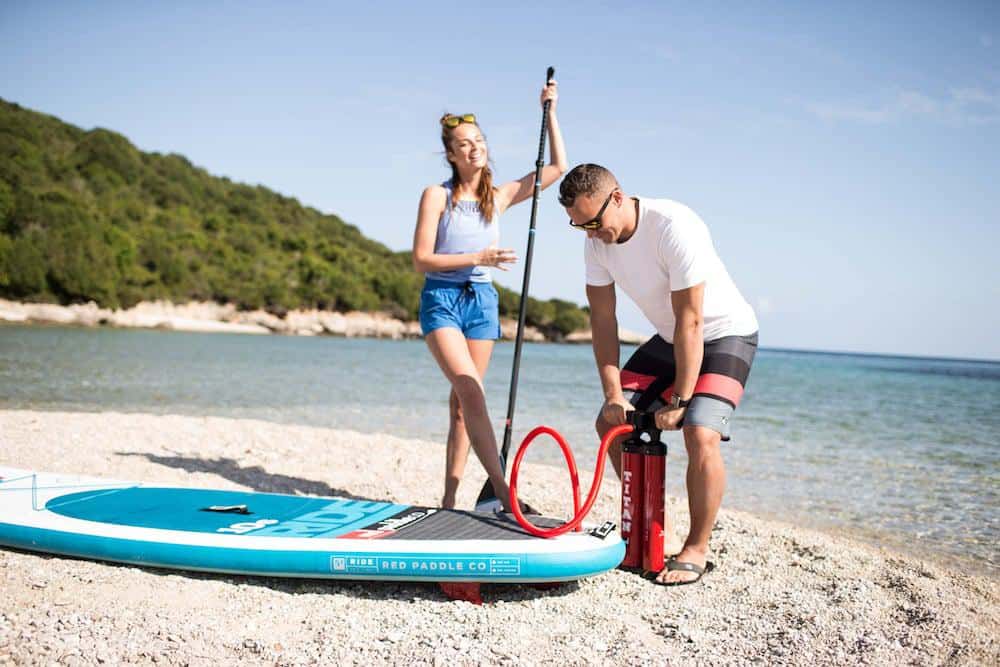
(595, 222)
(454, 121)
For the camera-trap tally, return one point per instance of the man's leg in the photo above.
(706, 482)
(615, 449)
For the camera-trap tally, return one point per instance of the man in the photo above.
(693, 371)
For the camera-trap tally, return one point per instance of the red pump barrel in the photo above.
(654, 459)
(633, 516)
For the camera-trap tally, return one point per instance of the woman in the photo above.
(455, 245)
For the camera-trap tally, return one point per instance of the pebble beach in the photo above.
(779, 594)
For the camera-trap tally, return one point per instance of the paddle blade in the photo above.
(487, 499)
(491, 504)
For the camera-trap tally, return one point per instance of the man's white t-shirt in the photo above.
(670, 250)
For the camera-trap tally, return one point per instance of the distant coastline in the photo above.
(880, 355)
(210, 317)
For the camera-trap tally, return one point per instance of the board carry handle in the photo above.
(227, 509)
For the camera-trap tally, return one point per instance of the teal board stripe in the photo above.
(271, 514)
(410, 566)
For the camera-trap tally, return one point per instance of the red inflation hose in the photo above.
(595, 486)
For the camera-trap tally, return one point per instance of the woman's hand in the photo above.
(550, 93)
(498, 257)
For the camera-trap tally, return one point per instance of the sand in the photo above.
(779, 595)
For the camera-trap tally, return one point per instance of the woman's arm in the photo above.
(517, 191)
(432, 204)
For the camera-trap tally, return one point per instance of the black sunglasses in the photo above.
(595, 222)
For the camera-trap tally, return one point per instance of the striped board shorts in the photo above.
(648, 378)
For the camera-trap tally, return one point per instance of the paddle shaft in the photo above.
(522, 310)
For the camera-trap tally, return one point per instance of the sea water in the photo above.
(903, 452)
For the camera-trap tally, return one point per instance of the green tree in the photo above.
(24, 267)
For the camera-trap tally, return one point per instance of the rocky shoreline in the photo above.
(210, 317)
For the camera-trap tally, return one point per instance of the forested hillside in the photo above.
(85, 215)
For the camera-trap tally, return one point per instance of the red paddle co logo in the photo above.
(388, 526)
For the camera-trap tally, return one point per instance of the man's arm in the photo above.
(604, 333)
(689, 345)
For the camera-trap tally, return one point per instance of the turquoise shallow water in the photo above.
(898, 451)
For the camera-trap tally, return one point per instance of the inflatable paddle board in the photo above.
(277, 535)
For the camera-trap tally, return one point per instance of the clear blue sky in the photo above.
(846, 157)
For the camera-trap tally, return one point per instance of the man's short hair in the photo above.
(585, 179)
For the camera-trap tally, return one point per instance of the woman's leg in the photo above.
(457, 451)
(455, 357)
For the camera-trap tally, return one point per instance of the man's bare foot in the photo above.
(691, 555)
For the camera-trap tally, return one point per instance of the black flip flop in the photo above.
(674, 565)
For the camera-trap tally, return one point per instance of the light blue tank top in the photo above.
(461, 229)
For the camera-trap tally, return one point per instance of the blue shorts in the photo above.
(470, 307)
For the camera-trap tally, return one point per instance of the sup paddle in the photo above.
(487, 500)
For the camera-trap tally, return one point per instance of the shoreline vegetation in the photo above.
(779, 594)
(208, 317)
(88, 218)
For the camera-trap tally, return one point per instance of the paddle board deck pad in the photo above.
(276, 535)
